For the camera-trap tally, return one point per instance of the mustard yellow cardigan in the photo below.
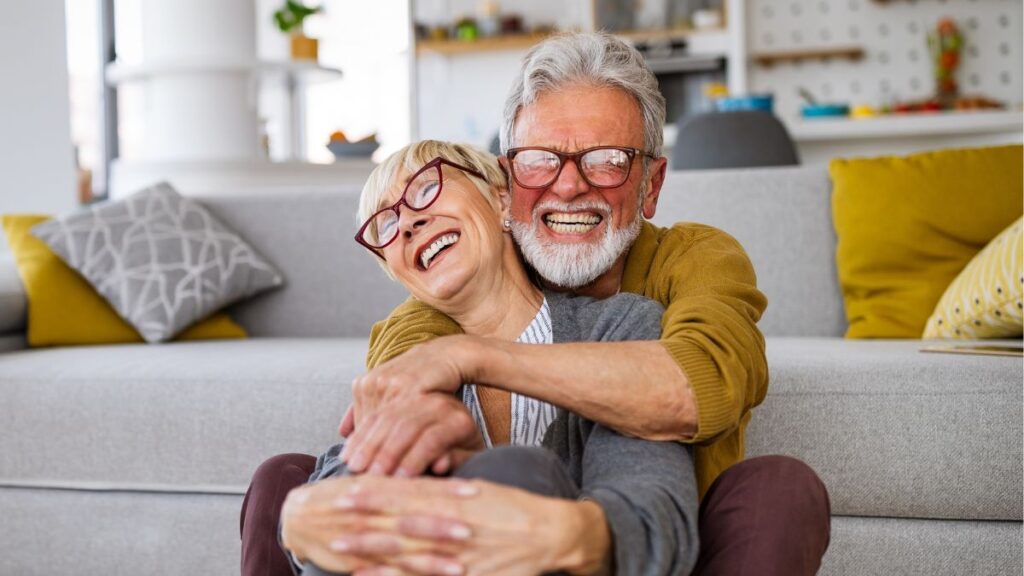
(705, 281)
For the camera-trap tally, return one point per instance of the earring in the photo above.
(507, 224)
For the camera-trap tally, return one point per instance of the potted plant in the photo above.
(289, 20)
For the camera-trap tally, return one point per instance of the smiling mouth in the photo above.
(440, 245)
(577, 223)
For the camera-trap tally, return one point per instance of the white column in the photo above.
(199, 58)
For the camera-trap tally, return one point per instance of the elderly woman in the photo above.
(567, 494)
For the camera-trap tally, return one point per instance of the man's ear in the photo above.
(656, 180)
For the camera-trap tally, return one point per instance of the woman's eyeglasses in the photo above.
(423, 189)
(601, 166)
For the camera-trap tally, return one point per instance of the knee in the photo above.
(791, 481)
(505, 460)
(534, 469)
(275, 468)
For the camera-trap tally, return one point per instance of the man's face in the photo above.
(571, 232)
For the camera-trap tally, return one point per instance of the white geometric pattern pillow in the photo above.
(161, 260)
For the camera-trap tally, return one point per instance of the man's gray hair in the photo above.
(589, 58)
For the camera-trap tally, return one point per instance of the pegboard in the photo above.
(897, 64)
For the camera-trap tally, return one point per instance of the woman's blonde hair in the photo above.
(412, 157)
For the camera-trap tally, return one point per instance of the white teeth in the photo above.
(572, 222)
(427, 255)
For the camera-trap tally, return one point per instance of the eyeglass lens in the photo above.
(420, 193)
(608, 167)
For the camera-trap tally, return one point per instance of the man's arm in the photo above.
(694, 384)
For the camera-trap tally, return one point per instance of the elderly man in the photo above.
(696, 385)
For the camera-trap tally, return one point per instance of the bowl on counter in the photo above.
(362, 149)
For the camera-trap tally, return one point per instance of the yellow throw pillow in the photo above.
(63, 309)
(907, 226)
(985, 299)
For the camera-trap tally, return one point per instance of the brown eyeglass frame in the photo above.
(632, 153)
(435, 163)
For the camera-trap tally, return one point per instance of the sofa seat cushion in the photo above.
(896, 432)
(197, 416)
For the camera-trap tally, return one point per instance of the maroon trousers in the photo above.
(767, 516)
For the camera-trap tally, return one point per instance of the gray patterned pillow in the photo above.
(161, 260)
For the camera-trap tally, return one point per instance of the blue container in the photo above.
(824, 110)
(763, 102)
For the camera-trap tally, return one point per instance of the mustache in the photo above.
(602, 208)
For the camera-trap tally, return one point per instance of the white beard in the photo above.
(576, 265)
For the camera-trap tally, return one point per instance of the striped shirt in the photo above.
(530, 417)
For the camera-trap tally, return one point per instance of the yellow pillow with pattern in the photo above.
(906, 227)
(64, 309)
(985, 299)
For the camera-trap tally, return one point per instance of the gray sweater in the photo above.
(648, 490)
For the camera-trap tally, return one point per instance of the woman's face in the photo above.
(452, 246)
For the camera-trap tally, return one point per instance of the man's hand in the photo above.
(440, 365)
(319, 524)
(410, 433)
(502, 530)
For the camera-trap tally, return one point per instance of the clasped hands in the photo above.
(403, 420)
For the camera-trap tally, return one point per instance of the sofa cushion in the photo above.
(782, 218)
(984, 301)
(161, 260)
(176, 417)
(63, 309)
(908, 225)
(334, 287)
(896, 432)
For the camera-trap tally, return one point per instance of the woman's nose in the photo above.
(410, 221)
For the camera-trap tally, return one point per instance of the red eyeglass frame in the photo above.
(435, 163)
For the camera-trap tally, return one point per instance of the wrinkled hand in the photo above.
(319, 524)
(441, 365)
(510, 531)
(411, 433)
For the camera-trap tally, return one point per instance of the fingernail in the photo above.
(460, 532)
(355, 463)
(466, 489)
(340, 545)
(378, 470)
(453, 569)
(402, 473)
(345, 503)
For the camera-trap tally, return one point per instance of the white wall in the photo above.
(36, 157)
(897, 65)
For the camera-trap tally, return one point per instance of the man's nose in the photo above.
(570, 182)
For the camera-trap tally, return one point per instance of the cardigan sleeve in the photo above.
(707, 284)
(411, 323)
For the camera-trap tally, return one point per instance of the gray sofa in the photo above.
(133, 459)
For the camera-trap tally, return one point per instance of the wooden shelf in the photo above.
(520, 41)
(488, 44)
(771, 58)
(666, 33)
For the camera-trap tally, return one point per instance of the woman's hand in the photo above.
(320, 525)
(511, 531)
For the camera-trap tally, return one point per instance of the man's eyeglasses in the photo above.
(423, 189)
(601, 166)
